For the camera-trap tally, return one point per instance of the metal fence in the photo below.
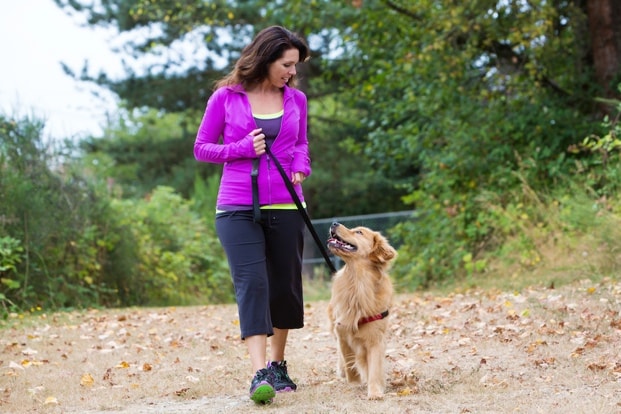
(314, 263)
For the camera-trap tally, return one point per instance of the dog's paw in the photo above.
(353, 377)
(375, 392)
(375, 396)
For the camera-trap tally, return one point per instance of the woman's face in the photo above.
(280, 71)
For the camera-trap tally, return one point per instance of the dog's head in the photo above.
(360, 242)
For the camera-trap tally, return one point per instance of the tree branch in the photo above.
(402, 10)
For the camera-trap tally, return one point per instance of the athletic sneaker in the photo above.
(282, 382)
(261, 387)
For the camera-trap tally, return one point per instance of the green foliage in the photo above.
(223, 28)
(81, 247)
(475, 98)
(464, 111)
(603, 171)
(11, 254)
(204, 198)
(178, 261)
(54, 215)
(144, 149)
(344, 181)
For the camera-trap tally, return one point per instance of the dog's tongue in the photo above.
(334, 241)
(340, 244)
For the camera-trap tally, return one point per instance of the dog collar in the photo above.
(377, 317)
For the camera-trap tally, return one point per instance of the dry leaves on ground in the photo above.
(536, 351)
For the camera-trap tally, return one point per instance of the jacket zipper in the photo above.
(269, 179)
(267, 157)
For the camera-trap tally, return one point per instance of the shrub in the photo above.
(179, 261)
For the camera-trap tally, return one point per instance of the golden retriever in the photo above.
(359, 304)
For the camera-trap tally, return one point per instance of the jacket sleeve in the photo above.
(301, 155)
(207, 147)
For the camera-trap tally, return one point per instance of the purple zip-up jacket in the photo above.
(229, 115)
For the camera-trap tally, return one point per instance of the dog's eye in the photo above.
(359, 231)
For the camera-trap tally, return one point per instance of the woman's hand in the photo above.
(258, 141)
(298, 178)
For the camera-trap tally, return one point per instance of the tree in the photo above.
(604, 24)
(142, 150)
(447, 100)
(182, 83)
(466, 99)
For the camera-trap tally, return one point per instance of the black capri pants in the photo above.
(266, 267)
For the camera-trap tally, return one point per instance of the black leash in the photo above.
(298, 204)
(254, 175)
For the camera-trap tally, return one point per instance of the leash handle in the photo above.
(302, 211)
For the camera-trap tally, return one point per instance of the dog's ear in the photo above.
(382, 250)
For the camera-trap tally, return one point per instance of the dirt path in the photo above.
(538, 351)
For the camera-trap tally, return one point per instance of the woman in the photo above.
(254, 107)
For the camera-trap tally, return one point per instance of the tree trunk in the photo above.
(604, 18)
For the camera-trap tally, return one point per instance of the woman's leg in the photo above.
(244, 244)
(278, 342)
(284, 238)
(256, 345)
(284, 243)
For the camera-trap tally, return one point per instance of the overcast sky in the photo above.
(35, 36)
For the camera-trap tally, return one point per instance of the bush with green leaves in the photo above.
(55, 214)
(178, 259)
(11, 254)
(82, 247)
(471, 216)
(603, 171)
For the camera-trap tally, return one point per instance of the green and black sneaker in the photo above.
(261, 387)
(281, 380)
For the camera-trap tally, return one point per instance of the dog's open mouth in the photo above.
(337, 243)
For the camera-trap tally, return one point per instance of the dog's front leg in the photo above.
(347, 361)
(340, 361)
(375, 364)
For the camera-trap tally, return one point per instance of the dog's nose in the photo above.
(335, 224)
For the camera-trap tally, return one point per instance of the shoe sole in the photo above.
(285, 389)
(263, 394)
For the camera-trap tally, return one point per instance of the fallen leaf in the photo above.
(577, 352)
(404, 392)
(50, 401)
(181, 392)
(597, 366)
(192, 379)
(15, 365)
(87, 380)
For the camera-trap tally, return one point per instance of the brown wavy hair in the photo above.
(268, 46)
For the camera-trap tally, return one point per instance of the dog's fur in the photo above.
(361, 289)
